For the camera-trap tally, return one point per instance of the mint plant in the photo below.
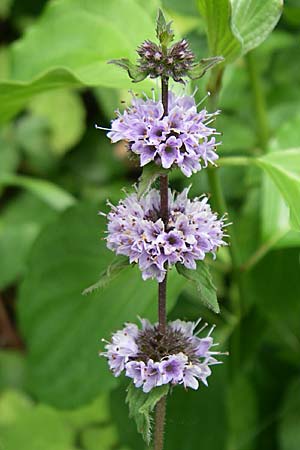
(161, 229)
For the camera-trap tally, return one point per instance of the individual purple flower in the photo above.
(177, 357)
(181, 139)
(136, 230)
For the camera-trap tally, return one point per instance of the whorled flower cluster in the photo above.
(175, 63)
(183, 138)
(136, 230)
(151, 358)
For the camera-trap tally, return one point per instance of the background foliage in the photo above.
(56, 172)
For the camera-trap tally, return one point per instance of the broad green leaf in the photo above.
(20, 223)
(39, 428)
(49, 192)
(284, 169)
(63, 329)
(96, 438)
(253, 20)
(235, 27)
(9, 153)
(141, 406)
(217, 15)
(198, 419)
(111, 272)
(276, 228)
(65, 116)
(289, 431)
(13, 406)
(242, 414)
(274, 288)
(64, 54)
(201, 277)
(95, 412)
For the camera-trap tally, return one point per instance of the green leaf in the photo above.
(108, 275)
(98, 411)
(289, 431)
(235, 27)
(9, 153)
(205, 64)
(50, 193)
(20, 224)
(39, 428)
(274, 288)
(96, 438)
(164, 32)
(242, 413)
(65, 117)
(284, 169)
(12, 369)
(134, 72)
(141, 406)
(150, 173)
(72, 55)
(13, 406)
(204, 284)
(62, 329)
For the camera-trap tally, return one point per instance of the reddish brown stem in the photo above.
(164, 212)
(160, 411)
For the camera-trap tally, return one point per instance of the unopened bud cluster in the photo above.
(174, 62)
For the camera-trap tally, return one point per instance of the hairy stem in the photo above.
(160, 424)
(164, 212)
(160, 411)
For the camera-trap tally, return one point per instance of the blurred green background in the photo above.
(56, 171)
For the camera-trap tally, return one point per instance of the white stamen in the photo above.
(202, 328)
(211, 330)
(203, 100)
(102, 128)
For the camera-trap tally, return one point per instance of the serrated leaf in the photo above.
(141, 406)
(108, 275)
(236, 26)
(204, 284)
(284, 169)
(205, 64)
(134, 72)
(150, 173)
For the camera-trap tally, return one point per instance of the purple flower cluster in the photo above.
(185, 358)
(182, 138)
(136, 230)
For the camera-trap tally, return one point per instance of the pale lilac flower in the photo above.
(136, 230)
(178, 356)
(183, 138)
